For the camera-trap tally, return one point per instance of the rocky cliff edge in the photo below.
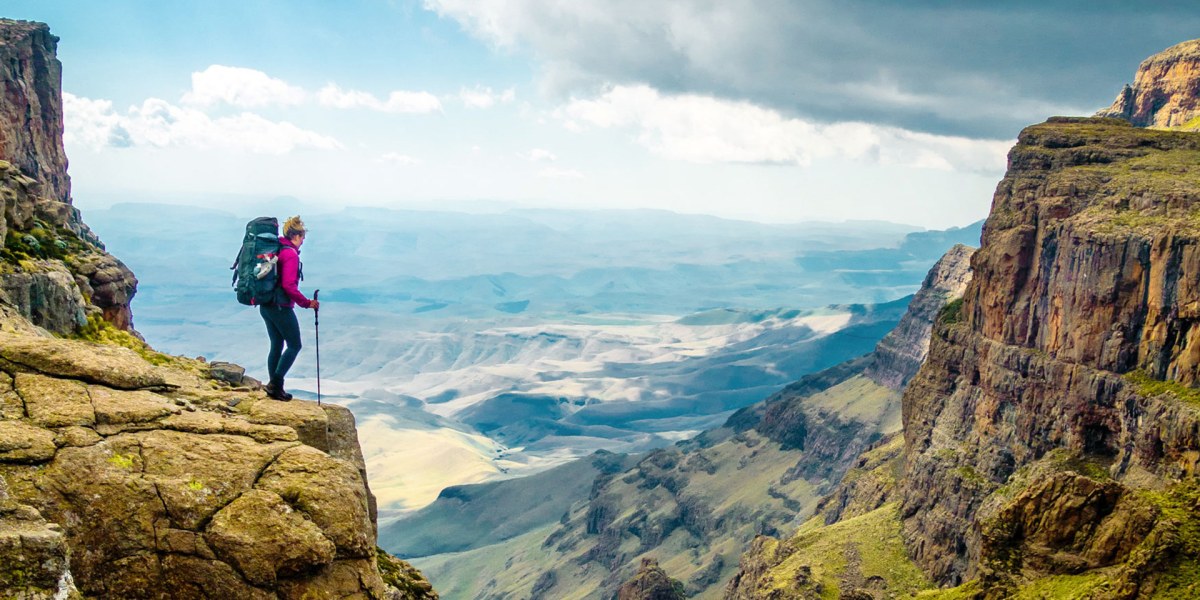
(133, 474)
(1164, 91)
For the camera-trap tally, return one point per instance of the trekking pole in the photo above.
(317, 329)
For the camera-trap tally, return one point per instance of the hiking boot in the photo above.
(275, 391)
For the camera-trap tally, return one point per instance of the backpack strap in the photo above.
(234, 268)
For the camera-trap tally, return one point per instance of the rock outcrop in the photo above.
(651, 583)
(44, 236)
(153, 480)
(1165, 92)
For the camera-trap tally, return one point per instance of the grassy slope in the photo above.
(847, 553)
(480, 515)
(738, 485)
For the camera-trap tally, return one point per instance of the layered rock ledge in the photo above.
(152, 479)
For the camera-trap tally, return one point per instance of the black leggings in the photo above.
(282, 326)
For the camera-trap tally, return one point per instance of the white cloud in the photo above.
(539, 155)
(399, 101)
(240, 87)
(832, 61)
(91, 123)
(703, 129)
(158, 123)
(556, 173)
(485, 97)
(395, 158)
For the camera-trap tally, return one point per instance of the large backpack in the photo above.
(255, 270)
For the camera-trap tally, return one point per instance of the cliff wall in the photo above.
(1083, 277)
(31, 121)
(54, 269)
(1055, 427)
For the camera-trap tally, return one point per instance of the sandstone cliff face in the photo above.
(1085, 274)
(44, 236)
(1164, 93)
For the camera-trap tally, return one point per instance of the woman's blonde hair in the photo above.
(293, 226)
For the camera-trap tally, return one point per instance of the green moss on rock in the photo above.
(100, 331)
(951, 313)
(1150, 387)
(403, 577)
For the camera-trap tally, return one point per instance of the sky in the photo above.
(769, 110)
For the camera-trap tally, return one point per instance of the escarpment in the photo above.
(126, 473)
(1051, 438)
(1076, 337)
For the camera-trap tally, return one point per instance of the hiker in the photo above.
(280, 316)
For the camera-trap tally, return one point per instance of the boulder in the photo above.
(47, 296)
(265, 539)
(227, 372)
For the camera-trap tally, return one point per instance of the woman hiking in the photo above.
(280, 317)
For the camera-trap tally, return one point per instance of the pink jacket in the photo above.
(289, 273)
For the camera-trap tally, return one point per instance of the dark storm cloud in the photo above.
(962, 68)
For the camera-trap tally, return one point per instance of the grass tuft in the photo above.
(1148, 386)
(951, 313)
(99, 331)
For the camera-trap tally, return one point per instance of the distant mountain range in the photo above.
(476, 346)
